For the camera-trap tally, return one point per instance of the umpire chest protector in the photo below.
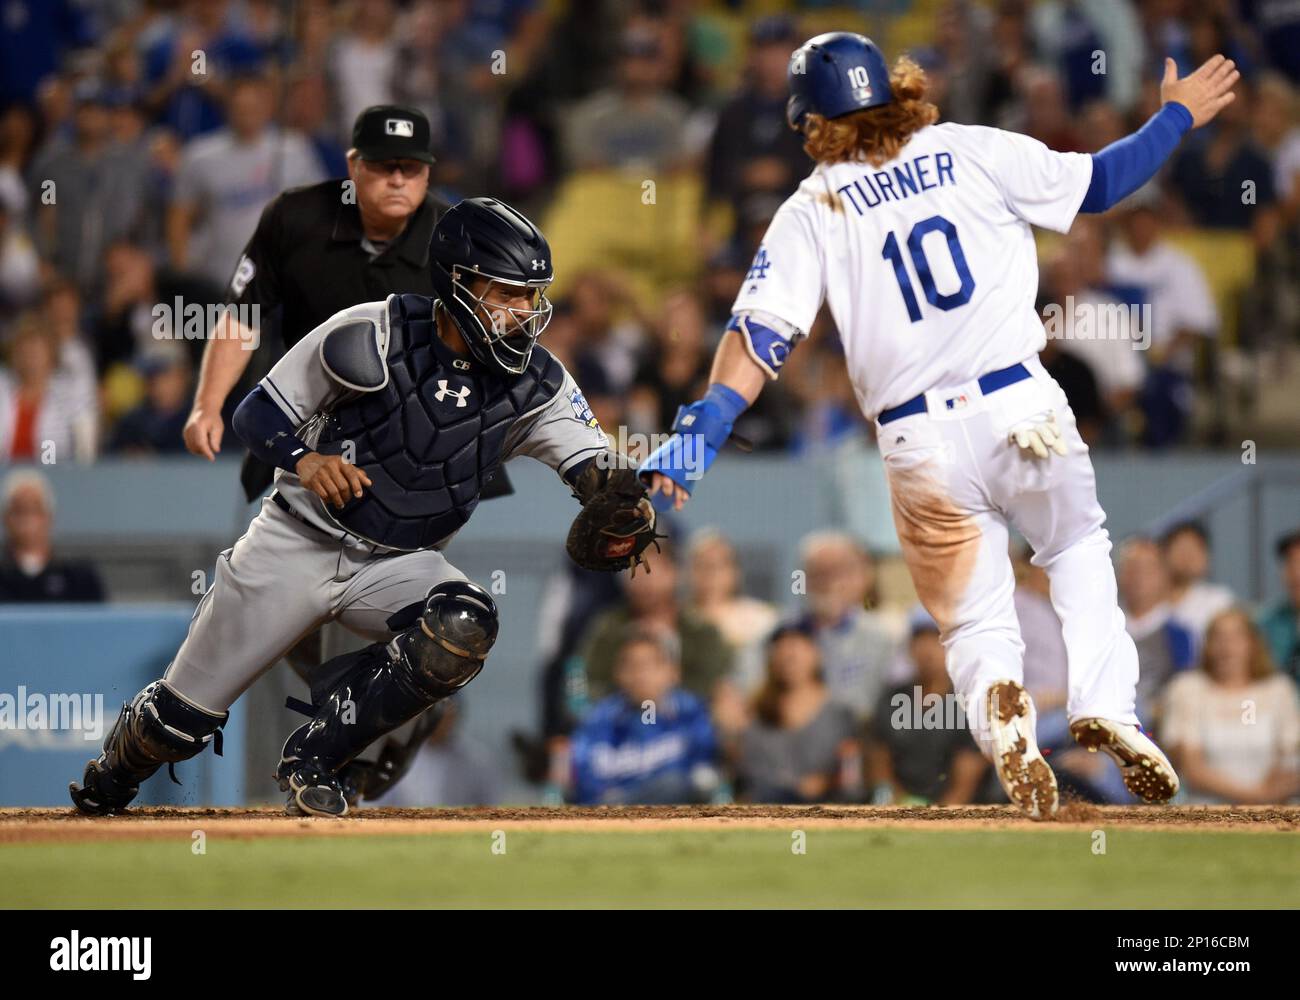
(426, 424)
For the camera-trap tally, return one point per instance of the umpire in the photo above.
(318, 250)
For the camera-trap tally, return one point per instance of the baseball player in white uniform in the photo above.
(918, 237)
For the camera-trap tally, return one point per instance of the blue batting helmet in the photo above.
(836, 74)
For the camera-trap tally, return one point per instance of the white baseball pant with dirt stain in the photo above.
(956, 483)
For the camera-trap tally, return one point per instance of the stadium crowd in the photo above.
(141, 139)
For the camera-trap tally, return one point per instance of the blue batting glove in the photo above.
(699, 432)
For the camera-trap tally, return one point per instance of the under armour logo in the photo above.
(539, 265)
(443, 392)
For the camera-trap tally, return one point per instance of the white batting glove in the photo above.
(1038, 435)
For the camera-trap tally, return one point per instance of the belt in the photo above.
(283, 504)
(989, 382)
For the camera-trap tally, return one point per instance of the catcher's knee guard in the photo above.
(157, 727)
(385, 685)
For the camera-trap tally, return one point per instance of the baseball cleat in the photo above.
(99, 794)
(1146, 770)
(1024, 773)
(313, 790)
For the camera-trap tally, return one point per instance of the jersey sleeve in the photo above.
(787, 279)
(1040, 185)
(562, 432)
(257, 274)
(299, 384)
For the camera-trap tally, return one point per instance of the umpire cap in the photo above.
(392, 132)
(836, 74)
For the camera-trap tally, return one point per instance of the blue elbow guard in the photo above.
(766, 347)
(699, 432)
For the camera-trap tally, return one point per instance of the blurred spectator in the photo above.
(90, 191)
(448, 770)
(1164, 646)
(651, 604)
(28, 570)
(674, 371)
(20, 265)
(37, 36)
(1090, 323)
(1281, 625)
(227, 178)
(1193, 599)
(155, 426)
(307, 113)
(1278, 26)
(855, 646)
(188, 64)
(802, 746)
(1278, 134)
(651, 741)
(130, 324)
(363, 65)
(1223, 179)
(1144, 269)
(45, 414)
(713, 590)
(637, 124)
(921, 750)
(753, 151)
(1080, 387)
(818, 377)
(61, 314)
(1233, 726)
(605, 339)
(1044, 114)
(17, 143)
(1072, 34)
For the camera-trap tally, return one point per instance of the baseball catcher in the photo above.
(384, 422)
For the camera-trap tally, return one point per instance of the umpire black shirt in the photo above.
(306, 259)
(309, 259)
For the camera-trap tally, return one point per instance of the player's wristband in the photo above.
(699, 432)
(267, 432)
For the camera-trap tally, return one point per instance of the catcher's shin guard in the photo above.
(386, 685)
(157, 727)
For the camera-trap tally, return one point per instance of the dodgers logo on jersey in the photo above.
(580, 408)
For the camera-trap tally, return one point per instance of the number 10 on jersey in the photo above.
(893, 253)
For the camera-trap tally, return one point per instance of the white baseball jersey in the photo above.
(927, 262)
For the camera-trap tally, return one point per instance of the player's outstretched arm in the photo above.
(1125, 165)
(702, 428)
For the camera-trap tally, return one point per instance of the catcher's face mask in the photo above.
(510, 315)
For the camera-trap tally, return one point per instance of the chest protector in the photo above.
(431, 435)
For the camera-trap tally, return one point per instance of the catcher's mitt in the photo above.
(616, 524)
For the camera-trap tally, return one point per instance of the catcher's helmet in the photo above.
(836, 74)
(485, 238)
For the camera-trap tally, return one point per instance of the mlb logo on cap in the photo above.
(392, 132)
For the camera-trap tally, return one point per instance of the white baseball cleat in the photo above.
(1146, 770)
(1024, 773)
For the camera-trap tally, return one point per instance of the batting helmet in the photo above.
(836, 74)
(482, 238)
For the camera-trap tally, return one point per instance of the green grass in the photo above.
(711, 867)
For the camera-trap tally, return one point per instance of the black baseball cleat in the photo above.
(313, 789)
(98, 794)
